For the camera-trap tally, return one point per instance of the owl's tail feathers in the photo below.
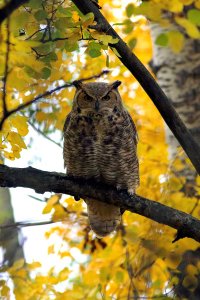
(104, 218)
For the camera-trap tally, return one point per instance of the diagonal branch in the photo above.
(8, 9)
(147, 81)
(42, 181)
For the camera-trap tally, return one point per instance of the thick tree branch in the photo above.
(8, 9)
(156, 94)
(42, 181)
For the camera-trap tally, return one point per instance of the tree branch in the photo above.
(6, 69)
(42, 181)
(7, 10)
(147, 81)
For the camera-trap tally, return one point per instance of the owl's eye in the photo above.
(87, 98)
(106, 98)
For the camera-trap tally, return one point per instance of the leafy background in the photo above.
(43, 45)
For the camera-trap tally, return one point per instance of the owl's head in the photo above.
(96, 97)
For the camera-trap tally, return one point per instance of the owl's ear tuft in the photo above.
(77, 84)
(115, 84)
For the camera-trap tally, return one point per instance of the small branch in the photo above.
(44, 135)
(134, 65)
(7, 10)
(42, 181)
(32, 35)
(46, 94)
(6, 69)
(27, 224)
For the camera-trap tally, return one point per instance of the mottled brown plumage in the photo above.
(100, 141)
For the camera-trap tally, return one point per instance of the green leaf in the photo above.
(65, 11)
(40, 15)
(162, 40)
(119, 276)
(115, 51)
(128, 26)
(63, 23)
(94, 52)
(46, 73)
(94, 49)
(49, 57)
(45, 48)
(194, 16)
(21, 19)
(35, 4)
(71, 46)
(132, 43)
(107, 61)
(130, 10)
(31, 72)
(176, 40)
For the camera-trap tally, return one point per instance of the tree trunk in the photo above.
(12, 250)
(179, 77)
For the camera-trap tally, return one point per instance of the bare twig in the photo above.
(32, 35)
(43, 134)
(6, 68)
(27, 224)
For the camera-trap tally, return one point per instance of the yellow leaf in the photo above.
(5, 291)
(64, 274)
(15, 139)
(191, 270)
(116, 52)
(34, 265)
(40, 116)
(20, 123)
(50, 203)
(87, 20)
(105, 39)
(51, 249)
(190, 282)
(18, 264)
(176, 41)
(190, 28)
(9, 155)
(197, 4)
(59, 212)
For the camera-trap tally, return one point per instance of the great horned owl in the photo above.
(100, 141)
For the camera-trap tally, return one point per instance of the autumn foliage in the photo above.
(45, 44)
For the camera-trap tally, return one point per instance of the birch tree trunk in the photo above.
(179, 77)
(12, 250)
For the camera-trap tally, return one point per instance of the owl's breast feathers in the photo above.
(102, 146)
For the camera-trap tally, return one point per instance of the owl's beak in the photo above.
(97, 105)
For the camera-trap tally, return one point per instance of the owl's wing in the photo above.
(65, 128)
(135, 134)
(66, 122)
